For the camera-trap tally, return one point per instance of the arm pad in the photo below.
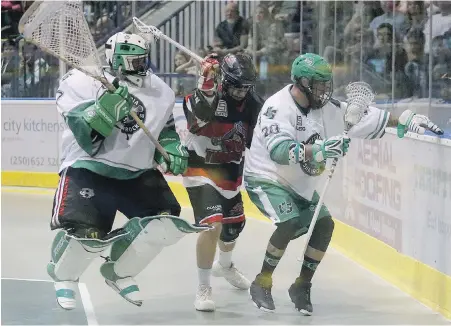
(288, 152)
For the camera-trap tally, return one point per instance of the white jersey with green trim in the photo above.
(128, 147)
(280, 120)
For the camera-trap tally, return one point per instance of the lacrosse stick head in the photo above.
(148, 32)
(359, 96)
(60, 29)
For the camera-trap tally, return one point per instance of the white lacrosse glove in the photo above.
(333, 147)
(417, 123)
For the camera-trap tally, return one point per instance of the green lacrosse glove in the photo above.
(416, 123)
(109, 109)
(178, 154)
(333, 147)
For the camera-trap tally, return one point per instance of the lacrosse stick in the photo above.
(60, 29)
(359, 96)
(156, 33)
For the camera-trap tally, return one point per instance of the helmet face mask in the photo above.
(127, 53)
(237, 92)
(321, 92)
(138, 63)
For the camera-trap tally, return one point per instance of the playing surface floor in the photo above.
(342, 292)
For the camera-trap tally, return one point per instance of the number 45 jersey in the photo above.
(216, 139)
(282, 120)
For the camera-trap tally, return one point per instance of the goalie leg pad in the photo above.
(145, 239)
(70, 256)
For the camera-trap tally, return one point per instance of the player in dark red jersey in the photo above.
(220, 115)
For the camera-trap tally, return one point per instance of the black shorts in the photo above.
(84, 198)
(210, 206)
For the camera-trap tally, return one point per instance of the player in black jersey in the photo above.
(221, 115)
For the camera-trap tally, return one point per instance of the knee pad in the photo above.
(287, 231)
(74, 249)
(231, 231)
(145, 239)
(322, 233)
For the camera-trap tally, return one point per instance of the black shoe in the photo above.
(300, 296)
(260, 292)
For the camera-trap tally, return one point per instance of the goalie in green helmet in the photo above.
(285, 165)
(108, 164)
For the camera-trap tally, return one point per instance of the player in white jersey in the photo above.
(287, 155)
(107, 165)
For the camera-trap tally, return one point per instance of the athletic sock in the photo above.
(225, 258)
(308, 270)
(274, 252)
(269, 264)
(204, 276)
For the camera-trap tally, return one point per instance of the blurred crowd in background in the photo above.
(402, 48)
(28, 72)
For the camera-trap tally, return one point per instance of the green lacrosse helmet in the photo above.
(127, 52)
(318, 72)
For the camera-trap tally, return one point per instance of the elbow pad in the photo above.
(288, 152)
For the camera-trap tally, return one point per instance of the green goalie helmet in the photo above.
(312, 74)
(127, 52)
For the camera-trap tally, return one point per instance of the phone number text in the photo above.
(33, 161)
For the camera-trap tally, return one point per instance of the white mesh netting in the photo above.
(359, 93)
(146, 32)
(60, 28)
(359, 97)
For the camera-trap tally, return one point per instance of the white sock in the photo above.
(225, 258)
(204, 276)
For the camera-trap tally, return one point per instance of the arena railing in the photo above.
(330, 28)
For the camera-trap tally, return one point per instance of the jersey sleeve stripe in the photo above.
(275, 140)
(382, 125)
(375, 131)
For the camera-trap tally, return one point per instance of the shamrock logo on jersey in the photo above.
(313, 168)
(270, 112)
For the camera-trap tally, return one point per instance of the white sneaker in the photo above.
(65, 294)
(203, 299)
(231, 274)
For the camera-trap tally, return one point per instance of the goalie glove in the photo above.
(178, 155)
(333, 147)
(110, 108)
(417, 123)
